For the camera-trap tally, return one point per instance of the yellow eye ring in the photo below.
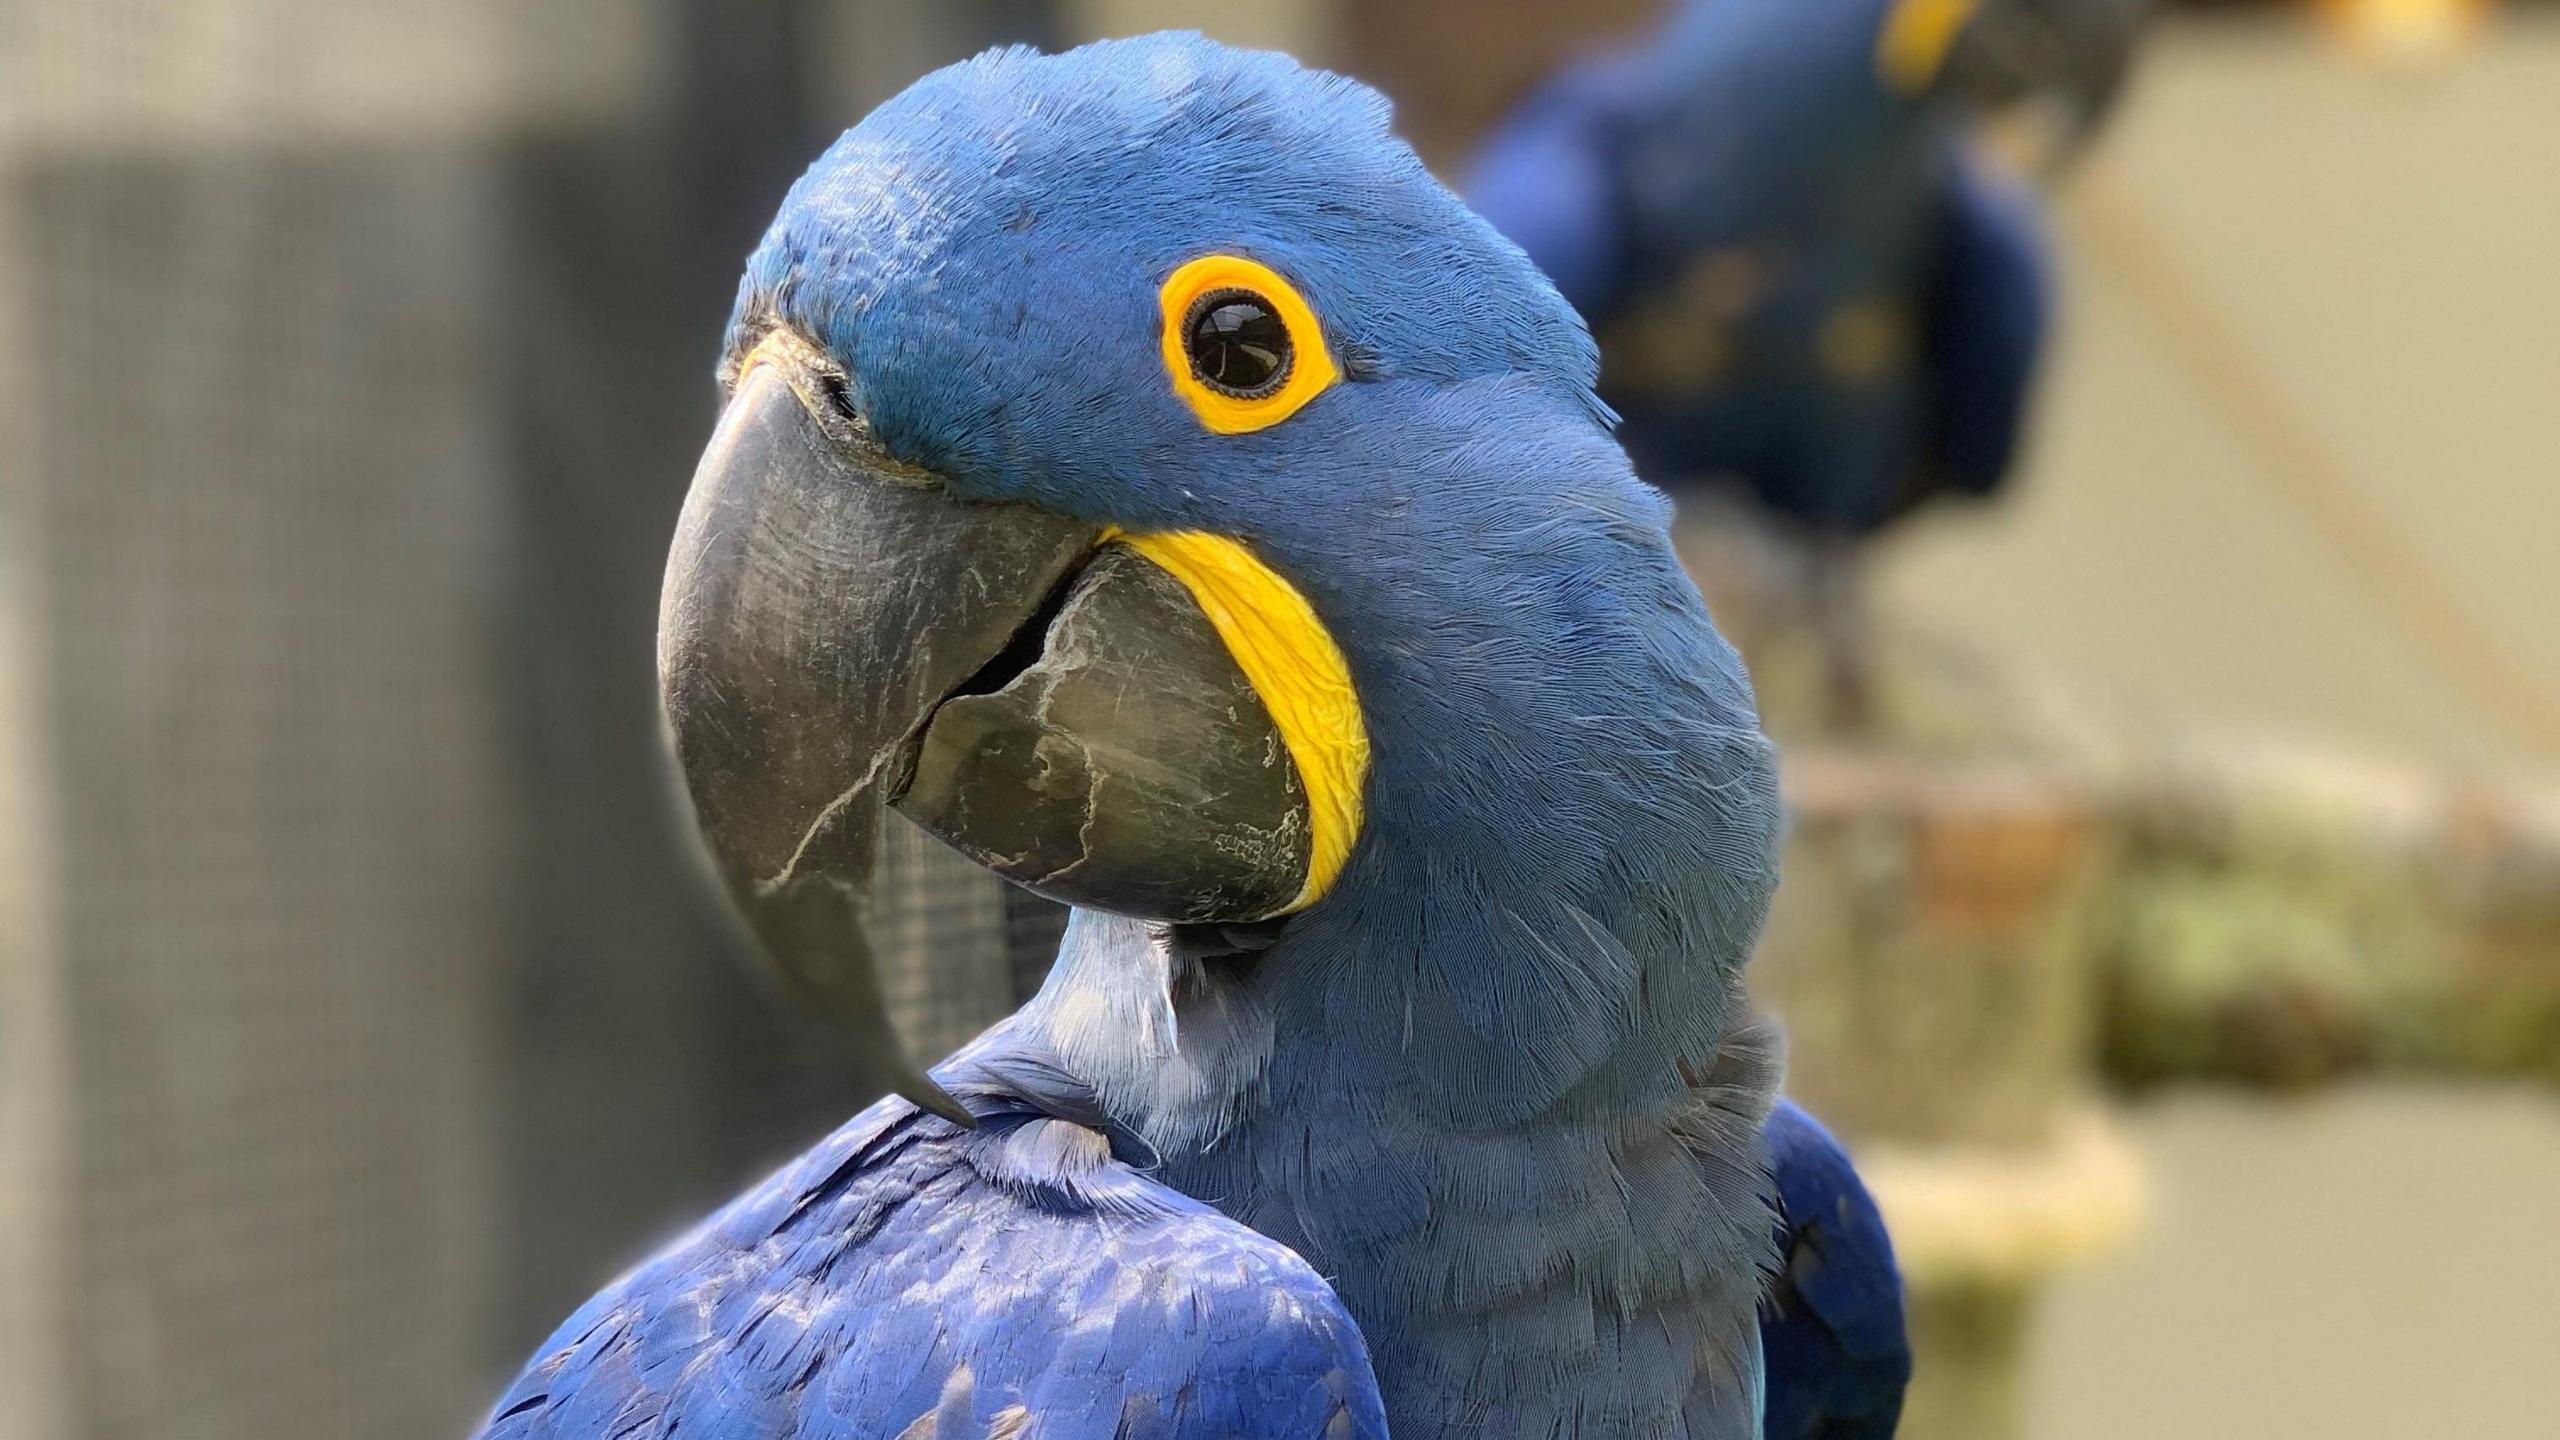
(1241, 345)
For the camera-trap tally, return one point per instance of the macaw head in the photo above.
(1992, 55)
(1139, 472)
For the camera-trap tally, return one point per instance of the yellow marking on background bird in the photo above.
(1917, 35)
(1861, 341)
(1298, 671)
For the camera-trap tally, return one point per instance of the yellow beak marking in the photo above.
(1297, 670)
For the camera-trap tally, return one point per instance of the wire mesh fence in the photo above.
(365, 1009)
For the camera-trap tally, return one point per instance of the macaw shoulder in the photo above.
(1833, 1333)
(907, 1279)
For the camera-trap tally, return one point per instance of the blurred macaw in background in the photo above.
(1805, 276)
(1141, 474)
(1811, 284)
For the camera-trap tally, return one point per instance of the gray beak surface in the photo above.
(824, 603)
(2066, 59)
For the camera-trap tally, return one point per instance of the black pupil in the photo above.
(1238, 345)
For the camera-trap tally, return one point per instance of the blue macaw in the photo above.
(1140, 473)
(1809, 283)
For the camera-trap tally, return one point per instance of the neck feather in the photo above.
(1499, 1079)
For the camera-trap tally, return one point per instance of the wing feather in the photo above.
(1832, 1330)
(908, 1279)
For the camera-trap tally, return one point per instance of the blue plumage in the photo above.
(1019, 1279)
(1833, 1326)
(1805, 282)
(1986, 327)
(1499, 1087)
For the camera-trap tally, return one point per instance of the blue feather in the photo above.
(904, 1268)
(1987, 317)
(1838, 1357)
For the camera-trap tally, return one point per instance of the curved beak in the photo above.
(2062, 62)
(839, 634)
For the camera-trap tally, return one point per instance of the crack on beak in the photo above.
(1094, 779)
(892, 771)
(827, 815)
(1027, 646)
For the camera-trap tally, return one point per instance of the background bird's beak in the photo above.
(839, 634)
(2057, 67)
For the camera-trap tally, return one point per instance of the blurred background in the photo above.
(360, 1011)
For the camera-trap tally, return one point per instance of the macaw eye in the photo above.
(1241, 345)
